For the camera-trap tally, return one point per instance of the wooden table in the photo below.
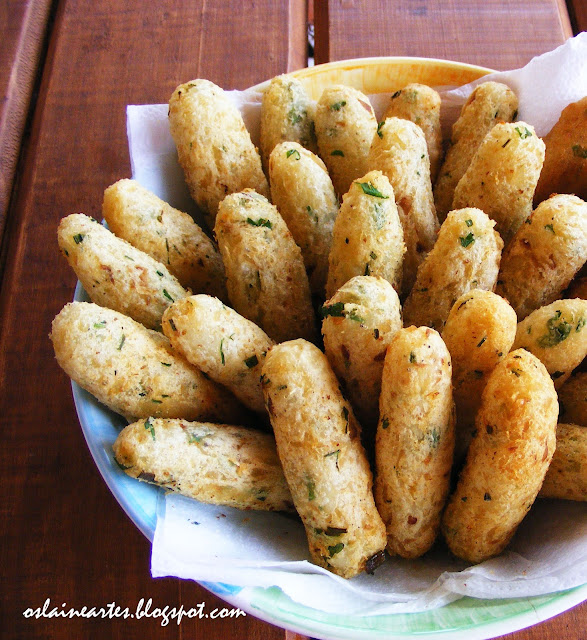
(68, 70)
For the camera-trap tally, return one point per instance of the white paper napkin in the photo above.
(207, 543)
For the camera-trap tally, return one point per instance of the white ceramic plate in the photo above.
(473, 619)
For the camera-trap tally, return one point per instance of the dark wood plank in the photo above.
(499, 34)
(64, 537)
(578, 14)
(22, 30)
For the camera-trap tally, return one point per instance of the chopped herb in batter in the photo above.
(261, 222)
(557, 331)
(371, 190)
(149, 427)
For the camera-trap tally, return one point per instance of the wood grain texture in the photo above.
(22, 30)
(578, 14)
(64, 536)
(499, 34)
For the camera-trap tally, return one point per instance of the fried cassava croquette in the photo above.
(133, 370)
(318, 442)
(213, 145)
(115, 274)
(507, 459)
(266, 278)
(221, 343)
(415, 440)
(213, 463)
(168, 235)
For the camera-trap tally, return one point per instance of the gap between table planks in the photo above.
(64, 535)
(23, 25)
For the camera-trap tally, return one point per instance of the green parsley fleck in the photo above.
(166, 364)
(78, 238)
(549, 227)
(345, 415)
(336, 310)
(337, 548)
(197, 437)
(251, 362)
(334, 532)
(338, 152)
(353, 315)
(149, 427)
(371, 190)
(222, 352)
(122, 339)
(333, 453)
(294, 116)
(379, 125)
(311, 486)
(293, 152)
(433, 438)
(385, 423)
(100, 325)
(525, 133)
(412, 357)
(166, 294)
(337, 106)
(469, 223)
(261, 222)
(379, 215)
(467, 240)
(557, 331)
(579, 151)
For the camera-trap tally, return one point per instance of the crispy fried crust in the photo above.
(318, 441)
(133, 370)
(502, 176)
(415, 440)
(166, 234)
(557, 335)
(479, 333)
(213, 145)
(345, 126)
(488, 104)
(221, 343)
(213, 463)
(566, 477)
(544, 255)
(466, 256)
(420, 104)
(399, 151)
(359, 322)
(507, 460)
(114, 273)
(368, 237)
(287, 113)
(565, 162)
(304, 196)
(266, 279)
(572, 397)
